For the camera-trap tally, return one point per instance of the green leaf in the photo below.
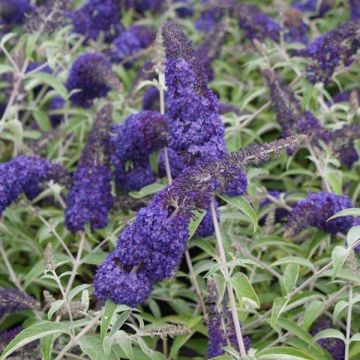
(244, 290)
(55, 306)
(76, 290)
(355, 337)
(91, 346)
(339, 308)
(109, 311)
(46, 345)
(51, 81)
(338, 258)
(293, 260)
(290, 277)
(34, 332)
(283, 353)
(312, 311)
(334, 178)
(195, 222)
(346, 212)
(147, 190)
(278, 307)
(353, 235)
(244, 206)
(94, 258)
(126, 345)
(329, 333)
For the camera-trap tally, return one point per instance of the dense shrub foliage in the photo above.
(179, 179)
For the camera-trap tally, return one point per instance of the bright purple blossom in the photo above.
(13, 12)
(335, 347)
(331, 49)
(354, 9)
(316, 209)
(90, 200)
(98, 18)
(91, 73)
(24, 174)
(132, 143)
(195, 128)
(130, 42)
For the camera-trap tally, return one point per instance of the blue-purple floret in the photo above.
(313, 6)
(206, 227)
(89, 200)
(209, 18)
(13, 300)
(354, 9)
(13, 12)
(98, 17)
(195, 128)
(130, 42)
(24, 174)
(316, 209)
(90, 74)
(56, 103)
(7, 335)
(335, 347)
(151, 99)
(142, 6)
(331, 49)
(131, 144)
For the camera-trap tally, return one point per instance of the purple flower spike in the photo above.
(195, 128)
(313, 6)
(331, 49)
(335, 347)
(132, 143)
(13, 12)
(90, 200)
(142, 6)
(98, 18)
(24, 174)
(130, 42)
(316, 209)
(295, 29)
(91, 74)
(354, 9)
(209, 18)
(12, 300)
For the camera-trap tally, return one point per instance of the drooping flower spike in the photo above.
(98, 18)
(315, 211)
(92, 77)
(195, 129)
(12, 300)
(25, 174)
(334, 48)
(150, 249)
(90, 200)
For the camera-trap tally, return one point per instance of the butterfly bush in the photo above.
(332, 49)
(25, 175)
(13, 300)
(91, 76)
(13, 12)
(319, 8)
(90, 199)
(315, 211)
(98, 18)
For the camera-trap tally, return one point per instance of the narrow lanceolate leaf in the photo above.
(338, 257)
(110, 310)
(147, 190)
(346, 212)
(312, 311)
(91, 346)
(32, 333)
(284, 353)
(195, 222)
(329, 333)
(339, 308)
(353, 236)
(244, 206)
(278, 307)
(291, 275)
(244, 290)
(51, 81)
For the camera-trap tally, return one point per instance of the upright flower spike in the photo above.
(195, 129)
(315, 210)
(130, 42)
(12, 300)
(332, 49)
(98, 18)
(90, 200)
(221, 329)
(335, 347)
(92, 77)
(25, 174)
(132, 143)
(288, 110)
(150, 249)
(354, 9)
(13, 12)
(313, 6)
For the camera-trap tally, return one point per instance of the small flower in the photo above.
(335, 347)
(25, 174)
(331, 49)
(91, 73)
(130, 42)
(90, 200)
(315, 210)
(96, 18)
